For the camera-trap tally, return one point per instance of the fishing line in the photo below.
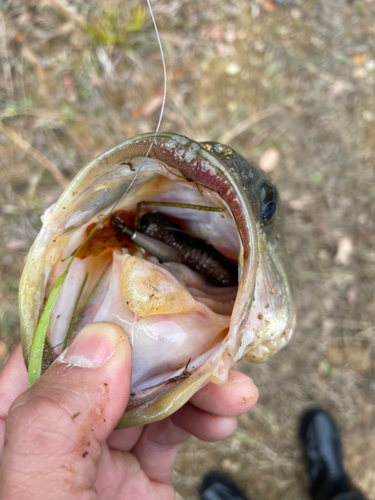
(160, 117)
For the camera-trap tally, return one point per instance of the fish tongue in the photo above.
(147, 289)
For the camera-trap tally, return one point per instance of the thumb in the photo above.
(54, 431)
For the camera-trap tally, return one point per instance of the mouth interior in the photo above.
(175, 316)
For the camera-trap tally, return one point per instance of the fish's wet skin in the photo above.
(208, 286)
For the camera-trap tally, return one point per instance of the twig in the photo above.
(6, 64)
(246, 124)
(39, 113)
(35, 153)
(68, 11)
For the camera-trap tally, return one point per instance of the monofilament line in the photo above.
(161, 112)
(164, 77)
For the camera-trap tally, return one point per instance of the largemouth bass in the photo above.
(210, 288)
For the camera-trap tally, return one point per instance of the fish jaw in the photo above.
(228, 181)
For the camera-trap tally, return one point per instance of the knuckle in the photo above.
(36, 415)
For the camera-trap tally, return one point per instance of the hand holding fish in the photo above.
(57, 438)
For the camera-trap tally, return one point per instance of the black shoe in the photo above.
(322, 446)
(218, 487)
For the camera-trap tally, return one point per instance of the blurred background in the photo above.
(289, 84)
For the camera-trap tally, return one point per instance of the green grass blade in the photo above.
(183, 205)
(73, 318)
(168, 204)
(36, 353)
(88, 298)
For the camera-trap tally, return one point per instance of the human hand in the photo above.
(57, 439)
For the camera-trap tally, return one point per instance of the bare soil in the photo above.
(288, 83)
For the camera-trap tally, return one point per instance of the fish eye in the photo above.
(268, 201)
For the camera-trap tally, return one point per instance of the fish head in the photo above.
(185, 331)
(272, 318)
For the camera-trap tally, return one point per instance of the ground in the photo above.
(289, 84)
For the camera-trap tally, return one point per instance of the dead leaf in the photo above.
(178, 73)
(269, 159)
(299, 204)
(269, 6)
(216, 33)
(359, 59)
(68, 83)
(352, 295)
(355, 358)
(150, 107)
(153, 105)
(344, 252)
(359, 73)
(339, 87)
(295, 14)
(230, 36)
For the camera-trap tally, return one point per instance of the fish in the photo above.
(187, 328)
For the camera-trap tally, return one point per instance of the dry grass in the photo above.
(305, 86)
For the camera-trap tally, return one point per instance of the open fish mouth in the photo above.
(190, 263)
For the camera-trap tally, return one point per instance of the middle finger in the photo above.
(234, 398)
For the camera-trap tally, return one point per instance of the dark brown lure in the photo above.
(195, 253)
